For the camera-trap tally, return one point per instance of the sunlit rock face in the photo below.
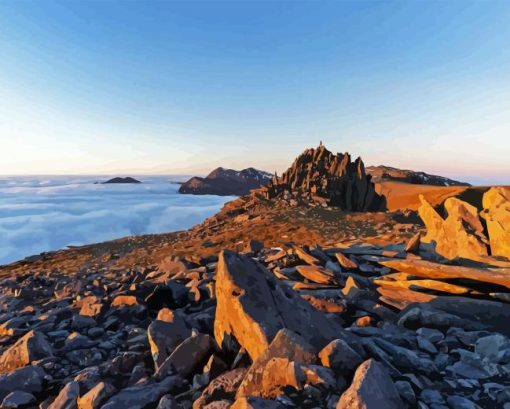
(496, 204)
(468, 232)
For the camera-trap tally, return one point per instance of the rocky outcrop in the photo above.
(459, 235)
(321, 177)
(386, 173)
(226, 182)
(463, 233)
(496, 204)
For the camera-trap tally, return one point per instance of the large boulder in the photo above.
(371, 388)
(252, 305)
(223, 387)
(165, 336)
(29, 379)
(187, 356)
(496, 204)
(461, 234)
(30, 347)
(96, 396)
(276, 367)
(144, 394)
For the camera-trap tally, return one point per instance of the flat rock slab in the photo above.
(317, 274)
(428, 269)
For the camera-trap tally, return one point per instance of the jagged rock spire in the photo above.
(332, 178)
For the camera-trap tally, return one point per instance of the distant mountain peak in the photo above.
(122, 180)
(384, 173)
(226, 182)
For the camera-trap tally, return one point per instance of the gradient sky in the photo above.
(165, 87)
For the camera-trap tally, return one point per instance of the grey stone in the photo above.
(28, 379)
(18, 399)
(431, 396)
(144, 394)
(406, 391)
(459, 402)
(67, 398)
(371, 388)
(433, 335)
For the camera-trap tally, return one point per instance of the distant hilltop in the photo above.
(226, 182)
(386, 173)
(122, 180)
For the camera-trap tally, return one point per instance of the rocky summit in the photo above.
(284, 300)
(319, 176)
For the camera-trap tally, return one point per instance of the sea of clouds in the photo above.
(40, 214)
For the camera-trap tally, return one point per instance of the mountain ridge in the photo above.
(226, 182)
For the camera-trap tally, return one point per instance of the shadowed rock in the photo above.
(31, 347)
(371, 388)
(143, 395)
(165, 336)
(29, 379)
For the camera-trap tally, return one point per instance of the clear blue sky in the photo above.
(168, 87)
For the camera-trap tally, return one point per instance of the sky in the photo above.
(133, 87)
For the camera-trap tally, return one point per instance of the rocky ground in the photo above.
(275, 302)
(288, 327)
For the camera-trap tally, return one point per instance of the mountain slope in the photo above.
(387, 173)
(226, 182)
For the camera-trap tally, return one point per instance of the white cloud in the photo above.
(42, 215)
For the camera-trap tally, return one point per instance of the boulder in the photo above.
(18, 399)
(29, 348)
(96, 396)
(252, 305)
(496, 204)
(187, 356)
(432, 220)
(264, 378)
(67, 397)
(28, 379)
(143, 394)
(167, 402)
(340, 357)
(223, 387)
(461, 234)
(165, 336)
(371, 388)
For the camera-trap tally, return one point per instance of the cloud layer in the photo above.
(42, 214)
